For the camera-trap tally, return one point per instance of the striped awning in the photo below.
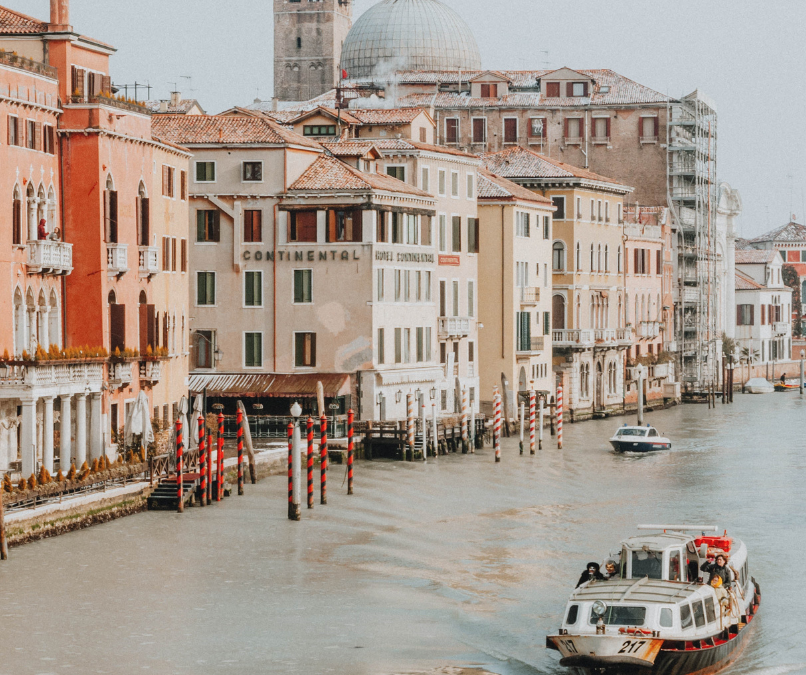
(269, 385)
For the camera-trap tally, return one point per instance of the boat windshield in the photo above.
(621, 616)
(627, 431)
(647, 564)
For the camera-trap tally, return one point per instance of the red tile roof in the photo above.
(14, 23)
(518, 162)
(384, 116)
(406, 145)
(182, 107)
(345, 116)
(225, 130)
(790, 232)
(329, 173)
(351, 149)
(496, 188)
(746, 283)
(756, 256)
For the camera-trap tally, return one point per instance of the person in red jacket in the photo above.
(42, 232)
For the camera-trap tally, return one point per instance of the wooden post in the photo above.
(552, 415)
(497, 426)
(560, 418)
(180, 501)
(239, 418)
(350, 419)
(465, 447)
(532, 422)
(3, 542)
(202, 465)
(209, 468)
(291, 510)
(250, 450)
(220, 459)
(323, 460)
(309, 428)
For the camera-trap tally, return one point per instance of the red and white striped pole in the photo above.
(310, 462)
(323, 460)
(209, 468)
(464, 421)
(350, 418)
(220, 461)
(559, 417)
(532, 422)
(497, 425)
(410, 424)
(291, 510)
(202, 465)
(239, 419)
(180, 502)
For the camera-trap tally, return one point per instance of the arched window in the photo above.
(558, 312)
(620, 317)
(142, 213)
(599, 258)
(579, 259)
(591, 268)
(54, 321)
(607, 260)
(578, 323)
(16, 217)
(31, 198)
(618, 260)
(558, 256)
(19, 323)
(110, 211)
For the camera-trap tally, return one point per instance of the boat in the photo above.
(658, 616)
(758, 385)
(786, 386)
(639, 439)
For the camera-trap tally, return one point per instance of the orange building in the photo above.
(119, 199)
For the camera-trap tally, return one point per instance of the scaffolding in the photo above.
(693, 197)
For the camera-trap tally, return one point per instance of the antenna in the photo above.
(189, 78)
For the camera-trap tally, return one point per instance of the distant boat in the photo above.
(639, 439)
(758, 385)
(786, 386)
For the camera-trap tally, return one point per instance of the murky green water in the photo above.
(456, 562)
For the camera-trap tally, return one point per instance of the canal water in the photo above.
(458, 562)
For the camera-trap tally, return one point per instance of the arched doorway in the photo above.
(558, 312)
(599, 388)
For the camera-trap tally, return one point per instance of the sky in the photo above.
(744, 55)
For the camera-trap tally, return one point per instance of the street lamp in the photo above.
(293, 507)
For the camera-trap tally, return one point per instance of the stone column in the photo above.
(65, 445)
(81, 430)
(28, 438)
(96, 440)
(32, 331)
(44, 337)
(47, 432)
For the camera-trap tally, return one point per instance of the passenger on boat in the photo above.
(719, 568)
(783, 378)
(590, 574)
(610, 570)
(722, 597)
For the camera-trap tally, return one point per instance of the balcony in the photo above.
(648, 329)
(120, 374)
(111, 101)
(17, 61)
(624, 336)
(780, 328)
(50, 257)
(572, 338)
(530, 295)
(149, 260)
(50, 374)
(649, 139)
(117, 259)
(150, 371)
(531, 346)
(454, 326)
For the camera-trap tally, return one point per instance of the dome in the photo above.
(409, 35)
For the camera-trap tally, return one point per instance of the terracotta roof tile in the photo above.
(230, 130)
(184, 106)
(518, 162)
(384, 116)
(329, 173)
(14, 23)
(746, 283)
(404, 144)
(351, 149)
(790, 232)
(497, 188)
(346, 117)
(756, 256)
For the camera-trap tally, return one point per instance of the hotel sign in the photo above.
(393, 256)
(301, 256)
(450, 260)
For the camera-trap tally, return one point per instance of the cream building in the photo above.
(589, 333)
(515, 342)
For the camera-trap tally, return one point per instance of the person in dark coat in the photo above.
(590, 574)
(719, 568)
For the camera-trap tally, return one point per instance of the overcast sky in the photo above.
(747, 56)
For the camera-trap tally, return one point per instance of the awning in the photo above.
(411, 376)
(267, 385)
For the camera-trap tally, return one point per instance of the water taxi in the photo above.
(659, 615)
(639, 439)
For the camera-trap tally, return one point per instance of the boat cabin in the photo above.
(640, 432)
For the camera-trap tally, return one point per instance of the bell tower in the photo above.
(308, 36)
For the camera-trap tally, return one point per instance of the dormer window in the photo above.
(553, 89)
(577, 89)
(489, 91)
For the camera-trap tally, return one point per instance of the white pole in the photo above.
(640, 396)
(540, 425)
(521, 411)
(472, 429)
(424, 423)
(434, 427)
(295, 467)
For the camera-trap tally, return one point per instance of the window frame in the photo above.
(294, 285)
(245, 334)
(215, 289)
(313, 348)
(396, 167)
(244, 163)
(244, 286)
(196, 171)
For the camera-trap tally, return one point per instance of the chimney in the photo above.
(176, 98)
(60, 15)
(163, 106)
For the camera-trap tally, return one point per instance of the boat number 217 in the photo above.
(631, 646)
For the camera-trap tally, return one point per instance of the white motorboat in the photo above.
(639, 439)
(658, 616)
(758, 385)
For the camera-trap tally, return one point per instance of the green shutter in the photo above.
(546, 323)
(200, 226)
(307, 284)
(457, 234)
(249, 349)
(249, 288)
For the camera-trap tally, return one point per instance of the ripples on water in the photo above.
(459, 561)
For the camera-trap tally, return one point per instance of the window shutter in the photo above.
(565, 132)
(145, 220)
(607, 131)
(138, 219)
(656, 125)
(11, 129)
(313, 349)
(38, 136)
(215, 226)
(358, 225)
(569, 89)
(763, 314)
(113, 216)
(165, 329)
(200, 226)
(585, 88)
(107, 215)
(184, 255)
(250, 289)
(106, 85)
(117, 328)
(151, 326)
(752, 315)
(476, 234)
(165, 180)
(143, 324)
(173, 254)
(183, 185)
(17, 222)
(331, 225)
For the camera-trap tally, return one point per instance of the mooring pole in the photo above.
(434, 440)
(310, 462)
(239, 419)
(291, 512)
(497, 426)
(802, 356)
(323, 460)
(560, 417)
(296, 460)
(531, 422)
(220, 459)
(180, 502)
(3, 542)
(472, 430)
(350, 419)
(209, 468)
(640, 396)
(465, 447)
(540, 425)
(202, 465)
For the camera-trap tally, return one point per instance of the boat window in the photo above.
(699, 613)
(675, 573)
(652, 432)
(647, 564)
(621, 616)
(666, 618)
(710, 612)
(573, 614)
(626, 431)
(685, 617)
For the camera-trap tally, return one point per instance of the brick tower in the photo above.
(308, 36)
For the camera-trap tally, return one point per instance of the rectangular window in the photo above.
(428, 343)
(398, 345)
(398, 284)
(205, 172)
(407, 286)
(397, 228)
(443, 354)
(649, 128)
(14, 131)
(546, 227)
(489, 91)
(305, 350)
(208, 226)
(168, 175)
(252, 172)
(442, 183)
(510, 130)
(319, 130)
(471, 186)
(559, 205)
(50, 140)
(253, 350)
(576, 89)
(523, 326)
(601, 128)
(425, 179)
(30, 136)
(252, 226)
(426, 223)
(455, 288)
(418, 286)
(573, 128)
(253, 289)
(744, 314)
(411, 230)
(480, 130)
(204, 343)
(166, 254)
(380, 227)
(407, 345)
(472, 235)
(302, 226)
(546, 323)
(398, 172)
(443, 233)
(456, 235)
(380, 284)
(552, 90)
(381, 347)
(452, 130)
(471, 352)
(344, 225)
(303, 287)
(471, 299)
(420, 347)
(537, 127)
(454, 184)
(443, 299)
(205, 288)
(521, 224)
(16, 221)
(428, 286)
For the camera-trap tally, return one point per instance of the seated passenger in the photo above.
(722, 597)
(590, 574)
(718, 568)
(610, 570)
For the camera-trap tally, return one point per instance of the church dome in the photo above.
(409, 35)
